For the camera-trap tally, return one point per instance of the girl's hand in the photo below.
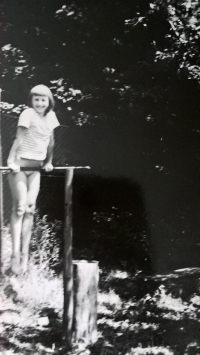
(14, 167)
(48, 167)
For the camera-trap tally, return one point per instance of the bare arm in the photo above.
(18, 140)
(48, 161)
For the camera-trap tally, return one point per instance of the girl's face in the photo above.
(40, 104)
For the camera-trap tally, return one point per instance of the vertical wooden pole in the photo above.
(1, 195)
(68, 268)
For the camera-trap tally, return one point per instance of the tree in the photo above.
(179, 42)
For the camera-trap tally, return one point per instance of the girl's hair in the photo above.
(42, 90)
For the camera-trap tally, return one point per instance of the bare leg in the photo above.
(33, 190)
(18, 186)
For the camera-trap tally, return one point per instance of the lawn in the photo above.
(137, 314)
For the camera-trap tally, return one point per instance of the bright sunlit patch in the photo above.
(110, 298)
(195, 300)
(193, 348)
(118, 274)
(169, 302)
(154, 350)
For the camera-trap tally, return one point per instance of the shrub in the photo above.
(46, 243)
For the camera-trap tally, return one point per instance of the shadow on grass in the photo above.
(36, 339)
(49, 337)
(178, 335)
(130, 287)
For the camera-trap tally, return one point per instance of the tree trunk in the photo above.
(86, 277)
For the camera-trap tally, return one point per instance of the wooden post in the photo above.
(80, 302)
(1, 196)
(86, 277)
(68, 269)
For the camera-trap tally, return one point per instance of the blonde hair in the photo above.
(42, 90)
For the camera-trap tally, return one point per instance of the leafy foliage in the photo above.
(15, 63)
(179, 42)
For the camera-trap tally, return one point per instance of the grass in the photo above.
(137, 315)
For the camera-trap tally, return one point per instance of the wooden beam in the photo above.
(7, 169)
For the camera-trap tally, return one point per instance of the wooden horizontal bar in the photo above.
(6, 168)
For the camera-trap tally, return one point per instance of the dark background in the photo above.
(135, 121)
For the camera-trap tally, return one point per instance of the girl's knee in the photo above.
(30, 209)
(19, 210)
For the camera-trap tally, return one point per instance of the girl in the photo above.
(33, 147)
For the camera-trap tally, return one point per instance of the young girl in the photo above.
(33, 147)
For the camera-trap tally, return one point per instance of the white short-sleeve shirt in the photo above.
(37, 136)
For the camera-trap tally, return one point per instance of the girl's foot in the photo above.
(15, 264)
(24, 263)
